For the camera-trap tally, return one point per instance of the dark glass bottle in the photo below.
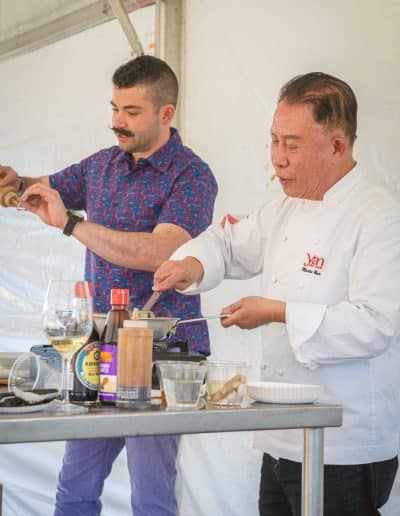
(85, 366)
(108, 344)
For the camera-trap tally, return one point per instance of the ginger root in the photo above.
(231, 385)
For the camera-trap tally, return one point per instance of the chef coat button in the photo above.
(316, 241)
(280, 372)
(284, 239)
(274, 279)
(300, 285)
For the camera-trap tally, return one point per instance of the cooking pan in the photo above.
(163, 327)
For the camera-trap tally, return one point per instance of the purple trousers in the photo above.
(87, 463)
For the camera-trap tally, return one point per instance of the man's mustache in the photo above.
(122, 132)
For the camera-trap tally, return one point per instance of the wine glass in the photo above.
(67, 321)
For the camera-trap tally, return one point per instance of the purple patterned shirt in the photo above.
(172, 186)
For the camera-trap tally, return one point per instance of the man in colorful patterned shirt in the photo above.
(143, 198)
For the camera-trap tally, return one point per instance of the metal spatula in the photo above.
(151, 301)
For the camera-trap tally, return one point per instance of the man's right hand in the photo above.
(179, 274)
(8, 177)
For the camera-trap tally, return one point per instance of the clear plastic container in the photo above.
(32, 372)
(181, 382)
(226, 382)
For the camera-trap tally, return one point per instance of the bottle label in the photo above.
(87, 363)
(108, 372)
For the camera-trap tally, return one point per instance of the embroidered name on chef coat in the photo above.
(313, 264)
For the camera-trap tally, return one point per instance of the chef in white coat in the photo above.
(329, 253)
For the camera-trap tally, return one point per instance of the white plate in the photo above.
(277, 392)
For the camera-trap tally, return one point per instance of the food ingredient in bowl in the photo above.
(228, 392)
(142, 314)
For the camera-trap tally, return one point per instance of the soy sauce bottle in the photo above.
(85, 371)
(85, 367)
(109, 342)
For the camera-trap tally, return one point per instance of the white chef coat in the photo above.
(336, 264)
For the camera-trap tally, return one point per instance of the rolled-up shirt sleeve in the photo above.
(71, 185)
(206, 248)
(235, 251)
(190, 203)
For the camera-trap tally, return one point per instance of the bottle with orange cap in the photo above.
(108, 344)
(85, 363)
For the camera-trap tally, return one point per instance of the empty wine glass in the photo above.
(67, 321)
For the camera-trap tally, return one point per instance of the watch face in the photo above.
(76, 215)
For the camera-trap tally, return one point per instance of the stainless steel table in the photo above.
(113, 422)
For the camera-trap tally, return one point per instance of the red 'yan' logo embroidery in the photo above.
(314, 261)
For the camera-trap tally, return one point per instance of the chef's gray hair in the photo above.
(333, 101)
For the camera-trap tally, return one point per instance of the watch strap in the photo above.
(21, 187)
(73, 219)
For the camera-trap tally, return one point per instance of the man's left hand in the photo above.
(253, 311)
(46, 203)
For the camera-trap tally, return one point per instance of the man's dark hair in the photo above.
(333, 101)
(151, 72)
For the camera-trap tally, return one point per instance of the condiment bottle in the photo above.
(8, 197)
(134, 368)
(86, 364)
(109, 342)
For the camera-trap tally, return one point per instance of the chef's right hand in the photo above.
(179, 274)
(8, 177)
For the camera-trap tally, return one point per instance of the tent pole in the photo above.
(122, 16)
(169, 32)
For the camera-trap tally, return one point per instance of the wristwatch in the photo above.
(73, 219)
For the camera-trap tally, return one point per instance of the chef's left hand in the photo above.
(253, 311)
(46, 203)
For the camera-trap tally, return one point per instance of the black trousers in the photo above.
(351, 490)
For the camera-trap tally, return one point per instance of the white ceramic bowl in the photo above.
(277, 392)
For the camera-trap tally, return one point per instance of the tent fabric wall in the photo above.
(55, 110)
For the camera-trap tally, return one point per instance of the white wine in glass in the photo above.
(67, 321)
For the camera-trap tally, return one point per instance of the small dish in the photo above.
(277, 392)
(38, 407)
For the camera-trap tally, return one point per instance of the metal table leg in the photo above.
(312, 496)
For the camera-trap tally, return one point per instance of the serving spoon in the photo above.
(172, 330)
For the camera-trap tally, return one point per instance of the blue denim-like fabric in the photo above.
(152, 471)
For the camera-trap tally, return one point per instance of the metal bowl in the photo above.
(162, 327)
(99, 322)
